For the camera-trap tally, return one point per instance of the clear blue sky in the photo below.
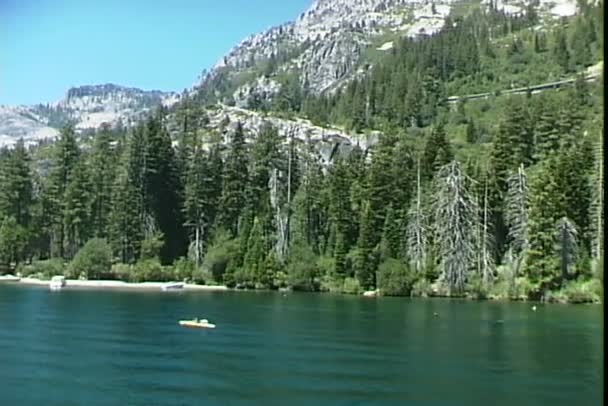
(46, 46)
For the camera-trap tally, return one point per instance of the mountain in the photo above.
(334, 41)
(88, 107)
(325, 48)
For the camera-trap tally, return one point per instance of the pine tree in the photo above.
(546, 208)
(472, 133)
(560, 50)
(340, 209)
(16, 185)
(391, 241)
(13, 241)
(366, 261)
(380, 185)
(547, 137)
(129, 214)
(254, 261)
(66, 157)
(77, 209)
(580, 43)
(163, 192)
(437, 151)
(574, 185)
(196, 201)
(235, 181)
(103, 172)
(310, 212)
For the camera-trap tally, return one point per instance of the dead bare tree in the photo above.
(416, 231)
(517, 207)
(567, 244)
(456, 218)
(485, 243)
(597, 208)
(280, 199)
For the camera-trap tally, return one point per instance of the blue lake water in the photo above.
(91, 347)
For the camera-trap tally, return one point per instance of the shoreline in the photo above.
(157, 286)
(120, 285)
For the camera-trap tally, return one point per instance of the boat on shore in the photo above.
(196, 323)
(9, 278)
(57, 282)
(173, 286)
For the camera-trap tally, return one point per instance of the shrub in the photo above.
(331, 283)
(93, 261)
(183, 269)
(280, 280)
(149, 270)
(202, 276)
(326, 265)
(422, 287)
(524, 289)
(394, 278)
(302, 270)
(219, 255)
(499, 289)
(122, 272)
(273, 274)
(45, 269)
(578, 291)
(241, 279)
(151, 246)
(475, 286)
(351, 286)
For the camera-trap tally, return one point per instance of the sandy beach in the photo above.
(101, 284)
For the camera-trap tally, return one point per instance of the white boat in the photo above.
(196, 323)
(172, 286)
(57, 282)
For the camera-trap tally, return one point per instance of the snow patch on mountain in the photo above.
(553, 8)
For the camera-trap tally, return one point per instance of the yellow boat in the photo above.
(196, 323)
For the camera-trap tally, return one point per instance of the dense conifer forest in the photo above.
(500, 196)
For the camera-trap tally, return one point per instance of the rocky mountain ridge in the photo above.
(325, 46)
(321, 50)
(88, 107)
(302, 131)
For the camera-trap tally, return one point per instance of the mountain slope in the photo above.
(328, 44)
(88, 107)
(326, 47)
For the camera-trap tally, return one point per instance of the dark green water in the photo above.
(84, 347)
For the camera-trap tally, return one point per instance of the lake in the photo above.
(87, 347)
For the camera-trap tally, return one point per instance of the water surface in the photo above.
(88, 347)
